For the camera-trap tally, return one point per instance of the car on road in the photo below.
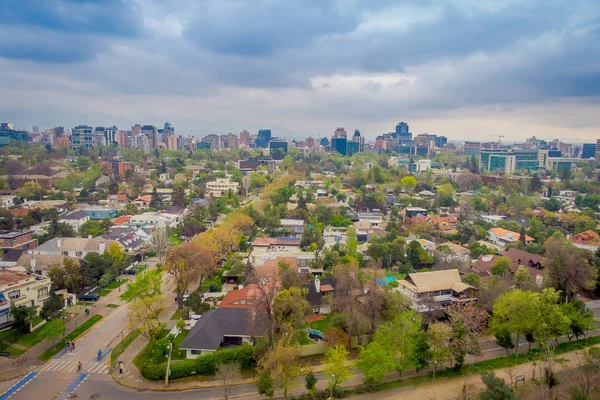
(132, 271)
(91, 296)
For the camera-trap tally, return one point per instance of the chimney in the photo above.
(102, 247)
(32, 263)
(58, 243)
(317, 284)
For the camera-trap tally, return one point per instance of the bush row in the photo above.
(203, 365)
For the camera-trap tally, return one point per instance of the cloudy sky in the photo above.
(461, 68)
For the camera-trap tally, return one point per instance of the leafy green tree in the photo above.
(265, 384)
(258, 181)
(409, 183)
(581, 319)
(478, 249)
(52, 305)
(496, 388)
(552, 204)
(417, 255)
(439, 335)
(155, 200)
(375, 361)
(522, 276)
(336, 370)
(145, 285)
(472, 279)
(514, 311)
(311, 383)
(21, 317)
(501, 266)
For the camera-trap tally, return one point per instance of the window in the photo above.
(196, 352)
(15, 294)
(79, 253)
(64, 253)
(42, 293)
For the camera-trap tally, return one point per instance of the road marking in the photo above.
(72, 386)
(18, 386)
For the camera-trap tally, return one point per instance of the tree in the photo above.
(336, 369)
(186, 263)
(52, 305)
(20, 317)
(178, 196)
(375, 361)
(552, 204)
(291, 307)
(422, 354)
(311, 383)
(496, 388)
(439, 336)
(514, 312)
(53, 330)
(417, 255)
(570, 268)
(581, 319)
(67, 275)
(145, 285)
(282, 362)
(226, 374)
(472, 279)
(468, 323)
(589, 369)
(258, 180)
(408, 183)
(459, 343)
(501, 266)
(522, 276)
(143, 315)
(115, 255)
(155, 201)
(265, 384)
(158, 243)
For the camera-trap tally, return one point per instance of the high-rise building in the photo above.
(122, 138)
(214, 140)
(508, 161)
(340, 132)
(402, 128)
(441, 141)
(310, 142)
(152, 134)
(589, 151)
(244, 138)
(136, 129)
(472, 149)
(82, 136)
(263, 138)
(35, 129)
(172, 142)
(278, 149)
(357, 138)
(339, 144)
(232, 141)
(141, 142)
(597, 149)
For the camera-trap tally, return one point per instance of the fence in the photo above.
(592, 304)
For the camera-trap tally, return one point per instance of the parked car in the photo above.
(132, 271)
(90, 297)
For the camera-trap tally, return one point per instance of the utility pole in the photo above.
(168, 372)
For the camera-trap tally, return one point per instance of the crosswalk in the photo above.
(70, 365)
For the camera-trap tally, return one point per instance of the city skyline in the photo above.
(458, 68)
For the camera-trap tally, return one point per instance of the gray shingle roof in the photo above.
(209, 330)
(75, 215)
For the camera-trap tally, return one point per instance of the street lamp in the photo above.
(168, 372)
(435, 363)
(331, 386)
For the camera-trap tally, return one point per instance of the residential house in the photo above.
(320, 293)
(99, 213)
(72, 247)
(291, 227)
(220, 186)
(457, 252)
(223, 328)
(133, 240)
(533, 262)
(143, 201)
(75, 219)
(7, 201)
(10, 258)
(196, 169)
(588, 240)
(333, 235)
(17, 240)
(502, 236)
(443, 223)
(60, 206)
(430, 291)
(156, 220)
(40, 264)
(120, 198)
(410, 212)
(374, 217)
(21, 289)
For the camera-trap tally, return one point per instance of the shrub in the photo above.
(203, 365)
(214, 287)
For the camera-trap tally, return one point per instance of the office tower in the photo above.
(589, 151)
(509, 161)
(35, 129)
(122, 138)
(339, 144)
(441, 141)
(357, 138)
(141, 142)
(278, 149)
(110, 135)
(402, 128)
(8, 134)
(152, 134)
(340, 132)
(597, 149)
(82, 136)
(244, 138)
(214, 141)
(232, 141)
(310, 142)
(472, 148)
(172, 142)
(136, 129)
(262, 139)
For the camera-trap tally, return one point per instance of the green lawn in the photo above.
(303, 337)
(140, 267)
(86, 303)
(323, 324)
(115, 284)
(36, 320)
(176, 315)
(28, 340)
(48, 354)
(111, 305)
(179, 354)
(122, 346)
(396, 275)
(103, 292)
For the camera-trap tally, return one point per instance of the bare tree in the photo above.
(262, 294)
(226, 375)
(589, 369)
(158, 243)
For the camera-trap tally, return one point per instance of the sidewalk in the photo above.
(8, 369)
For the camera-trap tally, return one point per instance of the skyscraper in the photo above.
(172, 142)
(402, 128)
(152, 133)
(340, 132)
(82, 136)
(357, 138)
(597, 149)
(244, 138)
(339, 144)
(589, 151)
(232, 141)
(262, 139)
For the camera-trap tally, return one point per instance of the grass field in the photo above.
(111, 305)
(115, 284)
(103, 292)
(322, 325)
(179, 354)
(122, 346)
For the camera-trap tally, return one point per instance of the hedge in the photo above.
(203, 365)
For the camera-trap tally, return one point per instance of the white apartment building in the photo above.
(220, 186)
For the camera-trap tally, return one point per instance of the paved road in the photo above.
(59, 376)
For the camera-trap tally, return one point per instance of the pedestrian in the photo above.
(73, 346)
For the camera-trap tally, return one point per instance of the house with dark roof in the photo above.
(75, 219)
(320, 293)
(223, 328)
